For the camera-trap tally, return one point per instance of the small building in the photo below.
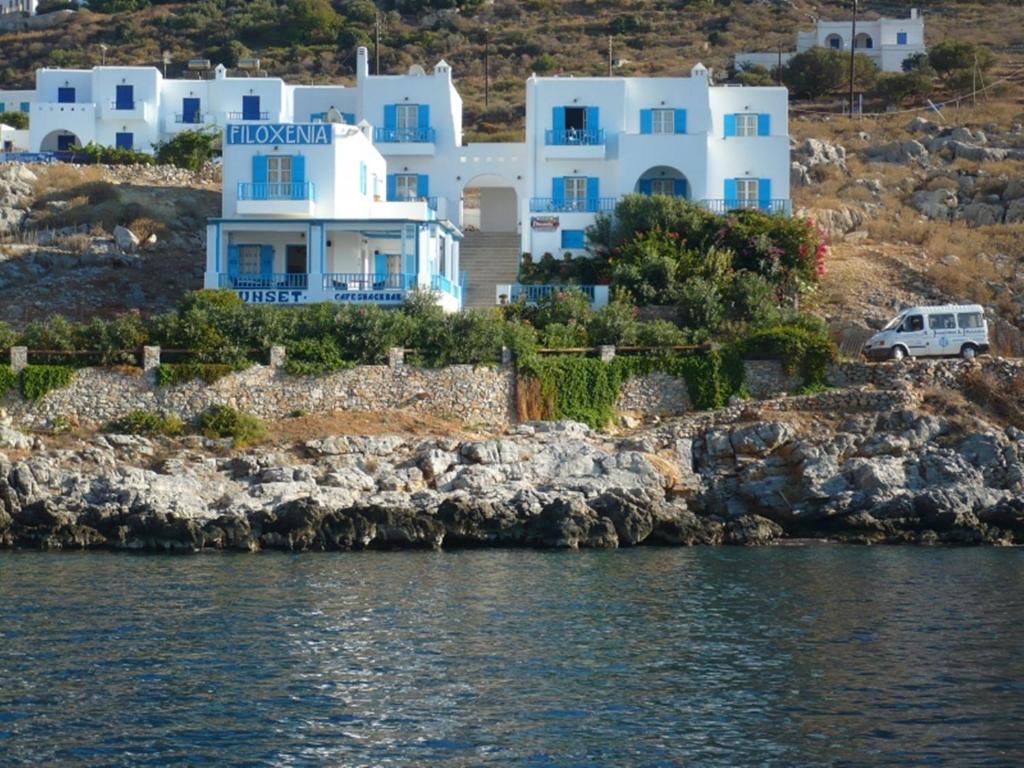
(16, 101)
(18, 6)
(887, 42)
(305, 219)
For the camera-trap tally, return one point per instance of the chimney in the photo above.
(362, 63)
(913, 13)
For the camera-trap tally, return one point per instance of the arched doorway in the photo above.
(490, 204)
(59, 141)
(863, 40)
(663, 180)
(834, 41)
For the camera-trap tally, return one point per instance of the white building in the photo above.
(16, 101)
(588, 142)
(887, 42)
(18, 6)
(305, 220)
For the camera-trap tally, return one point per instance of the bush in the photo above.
(818, 71)
(37, 380)
(16, 120)
(8, 338)
(188, 149)
(113, 155)
(170, 374)
(221, 421)
(802, 350)
(8, 379)
(309, 357)
(147, 423)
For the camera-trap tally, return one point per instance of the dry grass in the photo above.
(405, 423)
(1001, 398)
(56, 180)
(145, 227)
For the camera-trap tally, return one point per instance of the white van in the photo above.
(952, 329)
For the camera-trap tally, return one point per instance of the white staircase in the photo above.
(488, 259)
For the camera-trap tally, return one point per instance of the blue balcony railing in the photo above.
(425, 135)
(582, 137)
(124, 105)
(532, 294)
(291, 280)
(361, 281)
(443, 284)
(248, 115)
(196, 118)
(275, 190)
(768, 206)
(573, 204)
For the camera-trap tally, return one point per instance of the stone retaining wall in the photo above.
(471, 394)
(945, 373)
(656, 394)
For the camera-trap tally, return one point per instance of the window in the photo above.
(572, 238)
(746, 125)
(575, 118)
(746, 193)
(576, 189)
(25, 106)
(942, 322)
(969, 319)
(406, 117)
(912, 324)
(279, 169)
(901, 38)
(248, 259)
(124, 140)
(834, 41)
(663, 187)
(663, 121)
(406, 185)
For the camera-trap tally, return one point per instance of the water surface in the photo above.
(646, 657)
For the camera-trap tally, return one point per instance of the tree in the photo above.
(819, 71)
(896, 87)
(16, 120)
(188, 149)
(314, 21)
(755, 75)
(951, 56)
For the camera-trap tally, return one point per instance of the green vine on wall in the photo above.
(37, 380)
(169, 374)
(8, 379)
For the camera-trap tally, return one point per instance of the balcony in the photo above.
(445, 285)
(573, 205)
(178, 122)
(767, 206)
(242, 116)
(293, 198)
(275, 281)
(534, 294)
(368, 281)
(430, 201)
(407, 141)
(574, 144)
(130, 110)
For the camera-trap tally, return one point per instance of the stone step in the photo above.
(488, 258)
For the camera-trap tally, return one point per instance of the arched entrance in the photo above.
(663, 180)
(490, 204)
(834, 41)
(59, 141)
(863, 40)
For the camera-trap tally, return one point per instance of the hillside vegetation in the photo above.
(315, 40)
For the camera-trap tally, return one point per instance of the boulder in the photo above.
(751, 531)
(982, 214)
(1014, 190)
(920, 125)
(897, 152)
(813, 152)
(935, 204)
(125, 239)
(1015, 212)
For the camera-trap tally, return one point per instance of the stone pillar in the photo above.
(396, 357)
(506, 356)
(150, 358)
(277, 357)
(19, 358)
(606, 352)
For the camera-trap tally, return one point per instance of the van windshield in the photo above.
(893, 323)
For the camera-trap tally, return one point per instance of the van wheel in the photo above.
(968, 351)
(898, 353)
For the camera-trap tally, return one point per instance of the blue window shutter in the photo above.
(349, 117)
(558, 190)
(645, 187)
(190, 110)
(558, 119)
(730, 193)
(573, 238)
(125, 97)
(901, 38)
(679, 187)
(299, 169)
(423, 116)
(390, 117)
(391, 186)
(410, 264)
(3, 107)
(232, 259)
(65, 95)
(680, 121)
(422, 185)
(764, 125)
(24, 106)
(646, 120)
(266, 260)
(250, 107)
(259, 169)
(764, 194)
(380, 263)
(730, 125)
(124, 140)
(593, 193)
(593, 121)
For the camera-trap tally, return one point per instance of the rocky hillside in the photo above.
(908, 462)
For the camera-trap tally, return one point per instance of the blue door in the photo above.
(125, 97)
(65, 142)
(124, 140)
(190, 111)
(250, 107)
(65, 95)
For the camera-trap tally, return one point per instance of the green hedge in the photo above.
(8, 379)
(223, 421)
(801, 350)
(147, 423)
(169, 374)
(37, 380)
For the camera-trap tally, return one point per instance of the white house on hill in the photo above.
(887, 42)
(305, 220)
(18, 6)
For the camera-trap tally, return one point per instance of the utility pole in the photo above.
(974, 82)
(609, 55)
(487, 67)
(853, 52)
(376, 44)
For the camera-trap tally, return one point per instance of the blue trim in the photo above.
(390, 117)
(680, 126)
(646, 121)
(593, 119)
(259, 169)
(901, 38)
(730, 125)
(558, 119)
(764, 194)
(250, 107)
(646, 187)
(216, 255)
(298, 169)
(764, 125)
(65, 95)
(573, 238)
(730, 193)
(125, 97)
(124, 140)
(423, 116)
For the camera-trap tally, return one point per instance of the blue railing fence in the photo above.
(574, 137)
(276, 190)
(265, 280)
(362, 281)
(404, 135)
(573, 204)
